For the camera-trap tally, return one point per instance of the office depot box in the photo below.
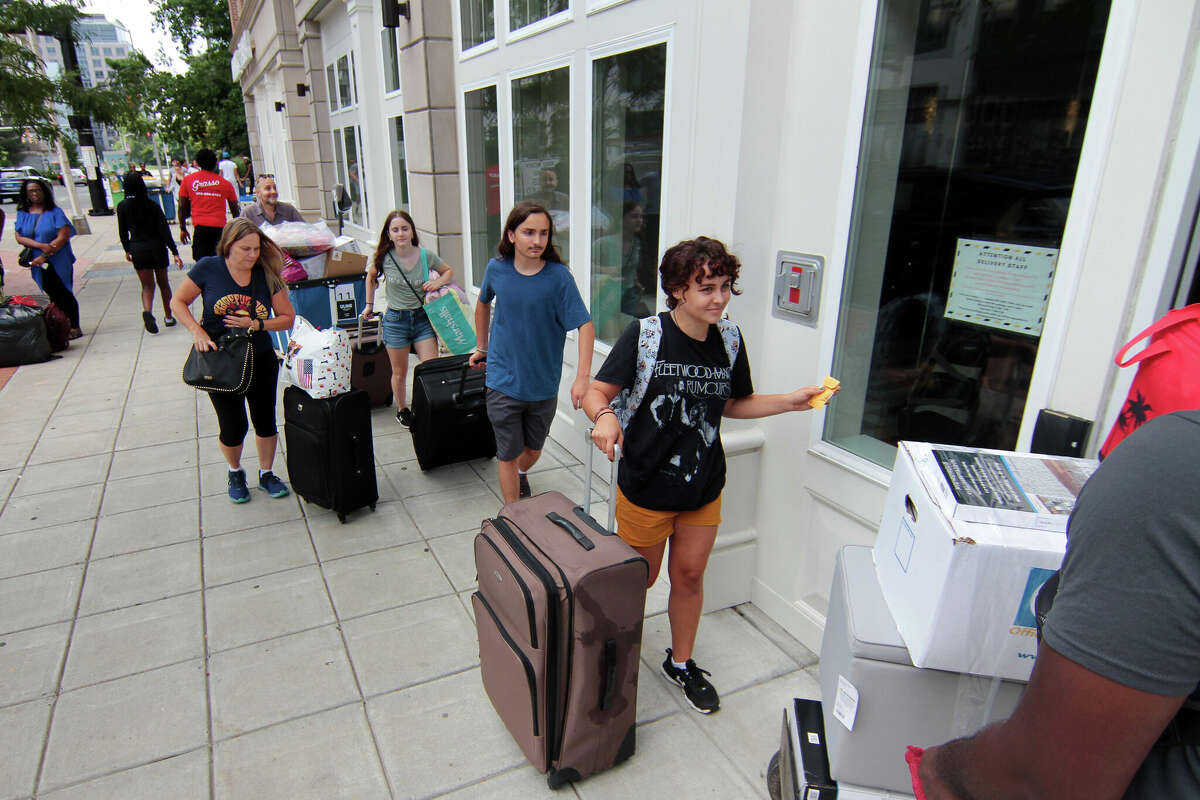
(339, 263)
(876, 702)
(961, 592)
(1023, 490)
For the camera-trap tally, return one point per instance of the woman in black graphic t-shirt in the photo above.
(241, 287)
(673, 468)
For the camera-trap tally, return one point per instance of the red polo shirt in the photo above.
(210, 195)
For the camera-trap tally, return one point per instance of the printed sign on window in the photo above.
(998, 285)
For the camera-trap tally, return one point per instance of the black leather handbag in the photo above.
(26, 256)
(228, 369)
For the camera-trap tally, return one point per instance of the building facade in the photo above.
(959, 208)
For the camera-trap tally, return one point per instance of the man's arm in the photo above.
(185, 211)
(1075, 734)
(483, 322)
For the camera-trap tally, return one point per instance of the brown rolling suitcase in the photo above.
(370, 368)
(559, 616)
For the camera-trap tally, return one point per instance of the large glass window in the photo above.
(343, 75)
(541, 110)
(483, 177)
(399, 165)
(356, 181)
(331, 79)
(527, 12)
(628, 92)
(975, 117)
(478, 22)
(391, 60)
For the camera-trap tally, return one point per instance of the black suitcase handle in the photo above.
(463, 392)
(576, 534)
(610, 674)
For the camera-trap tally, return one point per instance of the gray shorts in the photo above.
(518, 424)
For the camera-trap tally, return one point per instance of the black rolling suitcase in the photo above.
(330, 455)
(450, 421)
(370, 367)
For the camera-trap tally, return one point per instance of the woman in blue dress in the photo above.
(42, 226)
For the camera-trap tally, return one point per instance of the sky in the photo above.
(138, 17)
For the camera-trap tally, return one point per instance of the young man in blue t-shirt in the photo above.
(537, 302)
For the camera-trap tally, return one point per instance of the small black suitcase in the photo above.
(450, 421)
(370, 367)
(330, 455)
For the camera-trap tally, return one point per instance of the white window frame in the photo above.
(534, 28)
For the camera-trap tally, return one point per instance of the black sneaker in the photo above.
(148, 321)
(525, 491)
(405, 417)
(699, 692)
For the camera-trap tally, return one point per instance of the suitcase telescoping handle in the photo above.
(612, 482)
(463, 393)
(378, 330)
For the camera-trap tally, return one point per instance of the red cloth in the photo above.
(913, 756)
(210, 195)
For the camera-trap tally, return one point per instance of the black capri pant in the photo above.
(260, 398)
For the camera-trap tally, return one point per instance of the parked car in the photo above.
(10, 181)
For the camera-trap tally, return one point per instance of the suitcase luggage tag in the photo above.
(590, 446)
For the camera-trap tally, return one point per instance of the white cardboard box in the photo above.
(961, 592)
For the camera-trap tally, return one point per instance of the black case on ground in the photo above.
(330, 455)
(450, 422)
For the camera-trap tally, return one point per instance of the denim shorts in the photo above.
(402, 328)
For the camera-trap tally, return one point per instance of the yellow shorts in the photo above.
(642, 527)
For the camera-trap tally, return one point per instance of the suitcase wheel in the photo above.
(341, 518)
(372, 506)
(559, 778)
(774, 785)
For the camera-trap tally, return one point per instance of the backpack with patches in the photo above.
(1168, 376)
(626, 403)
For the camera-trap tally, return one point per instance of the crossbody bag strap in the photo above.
(626, 403)
(419, 295)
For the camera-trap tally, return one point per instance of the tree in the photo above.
(190, 20)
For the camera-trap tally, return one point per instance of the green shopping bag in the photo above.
(451, 321)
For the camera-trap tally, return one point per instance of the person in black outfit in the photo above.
(146, 238)
(240, 287)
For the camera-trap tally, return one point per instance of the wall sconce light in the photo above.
(279, 105)
(302, 89)
(393, 10)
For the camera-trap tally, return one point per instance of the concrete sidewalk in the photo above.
(157, 641)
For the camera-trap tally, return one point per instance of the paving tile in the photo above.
(261, 608)
(8, 479)
(22, 731)
(456, 554)
(659, 595)
(381, 644)
(153, 459)
(411, 481)
(14, 454)
(388, 526)
(55, 508)
(182, 777)
(44, 548)
(279, 679)
(141, 577)
(559, 479)
(674, 758)
(69, 422)
(393, 447)
(28, 601)
(146, 528)
(142, 414)
(126, 722)
(218, 515)
(384, 579)
(776, 633)
(728, 646)
(245, 554)
(62, 475)
(29, 662)
(740, 728)
(62, 448)
(145, 491)
(453, 511)
(135, 639)
(148, 433)
(326, 756)
(656, 696)
(462, 740)
(516, 784)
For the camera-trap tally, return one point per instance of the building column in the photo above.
(317, 195)
(430, 132)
